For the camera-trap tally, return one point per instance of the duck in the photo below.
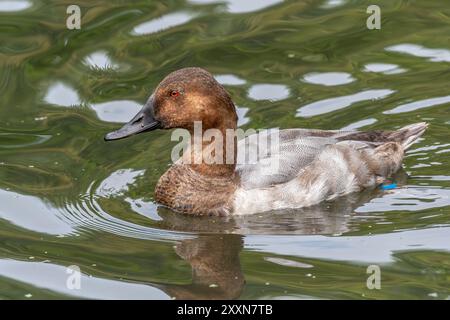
(312, 165)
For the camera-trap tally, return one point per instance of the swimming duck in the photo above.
(313, 165)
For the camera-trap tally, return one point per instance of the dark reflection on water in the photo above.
(67, 198)
(216, 269)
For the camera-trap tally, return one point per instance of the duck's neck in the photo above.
(212, 152)
(202, 187)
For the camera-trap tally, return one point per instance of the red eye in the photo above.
(174, 93)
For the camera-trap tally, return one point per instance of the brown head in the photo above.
(184, 96)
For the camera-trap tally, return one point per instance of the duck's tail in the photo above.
(406, 136)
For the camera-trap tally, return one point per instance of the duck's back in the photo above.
(304, 167)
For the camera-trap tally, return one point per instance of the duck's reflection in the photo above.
(216, 269)
(214, 257)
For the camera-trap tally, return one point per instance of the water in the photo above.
(68, 198)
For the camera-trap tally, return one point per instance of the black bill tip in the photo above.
(143, 121)
(130, 130)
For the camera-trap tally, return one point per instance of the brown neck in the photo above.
(214, 152)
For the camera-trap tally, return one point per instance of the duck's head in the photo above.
(183, 97)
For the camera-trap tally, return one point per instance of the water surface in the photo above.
(68, 198)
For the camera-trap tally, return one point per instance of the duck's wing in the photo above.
(264, 160)
(296, 148)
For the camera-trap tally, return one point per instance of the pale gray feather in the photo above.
(296, 149)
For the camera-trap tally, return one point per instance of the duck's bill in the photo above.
(142, 122)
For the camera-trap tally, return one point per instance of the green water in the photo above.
(68, 198)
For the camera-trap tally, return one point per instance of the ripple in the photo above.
(429, 148)
(88, 213)
(242, 119)
(15, 208)
(385, 68)
(100, 59)
(375, 248)
(333, 104)
(11, 6)
(83, 212)
(240, 6)
(162, 23)
(54, 277)
(116, 184)
(421, 104)
(116, 111)
(147, 209)
(229, 79)
(20, 140)
(333, 3)
(288, 263)
(359, 124)
(328, 78)
(433, 178)
(273, 92)
(62, 95)
(434, 55)
(412, 198)
(443, 151)
(31, 175)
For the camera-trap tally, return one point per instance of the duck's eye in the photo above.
(174, 93)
